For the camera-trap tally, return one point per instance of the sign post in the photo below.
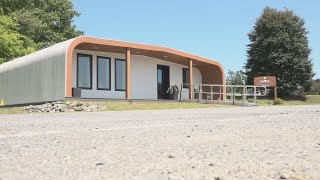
(267, 81)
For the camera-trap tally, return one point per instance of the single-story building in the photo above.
(101, 68)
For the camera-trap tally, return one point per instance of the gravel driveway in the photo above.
(222, 143)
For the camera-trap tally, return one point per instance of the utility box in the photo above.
(76, 92)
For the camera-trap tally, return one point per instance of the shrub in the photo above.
(277, 101)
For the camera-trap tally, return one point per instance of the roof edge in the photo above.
(111, 42)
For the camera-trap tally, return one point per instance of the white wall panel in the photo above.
(143, 76)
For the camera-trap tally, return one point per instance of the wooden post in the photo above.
(191, 80)
(211, 93)
(275, 92)
(200, 94)
(128, 83)
(233, 96)
(243, 95)
(255, 94)
(220, 94)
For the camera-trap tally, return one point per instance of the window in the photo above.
(103, 73)
(185, 77)
(84, 73)
(120, 71)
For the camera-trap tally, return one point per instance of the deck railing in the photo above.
(214, 93)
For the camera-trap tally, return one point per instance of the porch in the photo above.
(140, 77)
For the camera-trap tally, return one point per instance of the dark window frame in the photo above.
(115, 74)
(90, 59)
(108, 58)
(184, 78)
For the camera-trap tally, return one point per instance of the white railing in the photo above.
(217, 92)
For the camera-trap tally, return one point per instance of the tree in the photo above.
(236, 78)
(13, 44)
(315, 87)
(279, 46)
(43, 22)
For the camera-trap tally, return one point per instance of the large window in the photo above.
(185, 77)
(120, 70)
(84, 73)
(103, 73)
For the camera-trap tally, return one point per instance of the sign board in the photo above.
(268, 81)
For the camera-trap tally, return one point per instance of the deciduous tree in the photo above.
(37, 23)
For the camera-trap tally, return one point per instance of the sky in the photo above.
(213, 29)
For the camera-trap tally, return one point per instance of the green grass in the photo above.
(291, 101)
(124, 105)
(152, 105)
(12, 110)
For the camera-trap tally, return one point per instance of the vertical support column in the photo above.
(128, 74)
(200, 94)
(191, 80)
(181, 88)
(69, 71)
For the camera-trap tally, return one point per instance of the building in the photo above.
(102, 68)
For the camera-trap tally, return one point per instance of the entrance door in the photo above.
(163, 74)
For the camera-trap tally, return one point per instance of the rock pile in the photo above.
(61, 106)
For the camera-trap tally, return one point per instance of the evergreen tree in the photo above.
(279, 46)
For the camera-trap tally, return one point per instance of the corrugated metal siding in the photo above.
(38, 77)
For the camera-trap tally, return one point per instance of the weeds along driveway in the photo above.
(229, 143)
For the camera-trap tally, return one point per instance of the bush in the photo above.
(315, 87)
(277, 101)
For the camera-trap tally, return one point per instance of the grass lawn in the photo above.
(122, 106)
(307, 100)
(152, 105)
(12, 110)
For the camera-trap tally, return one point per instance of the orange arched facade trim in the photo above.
(98, 41)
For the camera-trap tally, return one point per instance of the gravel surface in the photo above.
(223, 143)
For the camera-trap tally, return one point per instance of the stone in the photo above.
(78, 108)
(87, 109)
(99, 164)
(58, 102)
(61, 106)
(29, 107)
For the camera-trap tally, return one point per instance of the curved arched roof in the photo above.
(68, 46)
(98, 41)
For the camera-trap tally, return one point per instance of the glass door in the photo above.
(163, 81)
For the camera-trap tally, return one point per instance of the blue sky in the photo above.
(209, 28)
